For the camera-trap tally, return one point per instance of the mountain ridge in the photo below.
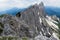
(33, 23)
(52, 11)
(49, 11)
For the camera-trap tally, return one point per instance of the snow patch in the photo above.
(55, 35)
(40, 20)
(52, 24)
(50, 19)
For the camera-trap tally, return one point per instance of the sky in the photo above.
(7, 4)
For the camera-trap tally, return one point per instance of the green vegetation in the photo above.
(58, 25)
(24, 38)
(18, 14)
(1, 27)
(2, 15)
(12, 38)
(8, 38)
(58, 29)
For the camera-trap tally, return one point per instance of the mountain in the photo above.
(32, 23)
(12, 11)
(39, 21)
(48, 10)
(53, 11)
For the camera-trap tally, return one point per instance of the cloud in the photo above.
(54, 3)
(23, 3)
(6, 4)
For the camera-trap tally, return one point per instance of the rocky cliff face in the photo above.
(32, 23)
(35, 18)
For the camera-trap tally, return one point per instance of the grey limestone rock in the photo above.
(28, 23)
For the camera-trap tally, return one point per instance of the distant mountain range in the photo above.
(53, 11)
(49, 10)
(12, 11)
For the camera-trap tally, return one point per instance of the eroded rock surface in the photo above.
(31, 23)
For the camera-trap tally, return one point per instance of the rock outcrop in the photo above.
(35, 16)
(32, 22)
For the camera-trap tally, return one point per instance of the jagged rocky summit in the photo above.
(32, 22)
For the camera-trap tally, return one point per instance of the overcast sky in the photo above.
(6, 4)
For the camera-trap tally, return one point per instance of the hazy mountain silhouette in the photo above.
(53, 11)
(11, 11)
(49, 10)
